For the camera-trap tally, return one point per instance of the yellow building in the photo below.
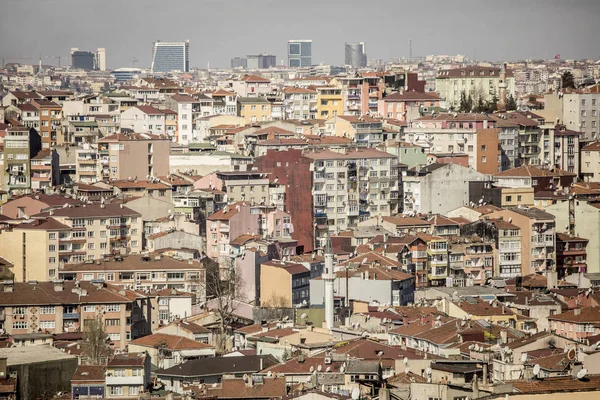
(127, 375)
(254, 109)
(284, 284)
(329, 102)
(519, 196)
(33, 248)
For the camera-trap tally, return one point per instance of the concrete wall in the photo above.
(150, 208)
(43, 380)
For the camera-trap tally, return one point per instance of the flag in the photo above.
(557, 57)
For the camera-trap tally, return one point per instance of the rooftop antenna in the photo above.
(410, 49)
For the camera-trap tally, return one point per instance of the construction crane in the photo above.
(14, 59)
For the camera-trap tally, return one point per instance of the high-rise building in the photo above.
(300, 53)
(238, 62)
(88, 59)
(101, 59)
(82, 59)
(355, 55)
(171, 56)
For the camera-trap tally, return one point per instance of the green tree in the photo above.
(95, 341)
(462, 107)
(511, 103)
(568, 80)
(469, 103)
(492, 105)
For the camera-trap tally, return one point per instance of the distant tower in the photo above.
(328, 277)
(409, 49)
(101, 59)
(502, 86)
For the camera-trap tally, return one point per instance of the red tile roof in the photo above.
(171, 342)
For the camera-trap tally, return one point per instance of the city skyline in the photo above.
(563, 24)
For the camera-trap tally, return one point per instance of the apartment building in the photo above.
(361, 95)
(58, 306)
(70, 235)
(225, 102)
(88, 166)
(329, 102)
(242, 218)
(407, 106)
(134, 155)
(142, 272)
(577, 324)
(300, 103)
(284, 284)
(477, 258)
(128, 374)
(254, 109)
(251, 86)
(30, 115)
(577, 110)
(363, 130)
(351, 186)
(31, 204)
(50, 122)
(145, 119)
(187, 109)
(571, 255)
(21, 144)
(469, 134)
(45, 171)
(590, 162)
(565, 152)
(438, 188)
(538, 232)
(476, 81)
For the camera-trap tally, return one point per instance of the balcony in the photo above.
(224, 228)
(71, 315)
(124, 380)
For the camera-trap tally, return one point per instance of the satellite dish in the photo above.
(571, 354)
(269, 374)
(311, 368)
(582, 373)
(536, 369)
(355, 394)
(319, 368)
(364, 260)
(524, 357)
(405, 360)
(428, 371)
(471, 347)
(342, 369)
(438, 318)
(476, 347)
(406, 370)
(303, 316)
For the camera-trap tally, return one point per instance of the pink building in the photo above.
(242, 219)
(576, 324)
(408, 105)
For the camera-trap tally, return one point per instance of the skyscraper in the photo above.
(171, 56)
(300, 53)
(355, 55)
(82, 59)
(100, 59)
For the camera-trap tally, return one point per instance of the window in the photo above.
(19, 325)
(52, 260)
(47, 310)
(87, 276)
(508, 198)
(137, 372)
(483, 159)
(112, 307)
(134, 390)
(90, 234)
(88, 308)
(116, 390)
(90, 222)
(91, 246)
(52, 248)
(483, 147)
(47, 325)
(52, 235)
(114, 337)
(113, 322)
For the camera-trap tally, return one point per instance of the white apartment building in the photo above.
(144, 119)
(188, 109)
(474, 80)
(352, 186)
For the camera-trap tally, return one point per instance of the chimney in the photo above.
(504, 336)
(51, 212)
(577, 311)
(58, 285)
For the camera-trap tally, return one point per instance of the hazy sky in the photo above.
(221, 29)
